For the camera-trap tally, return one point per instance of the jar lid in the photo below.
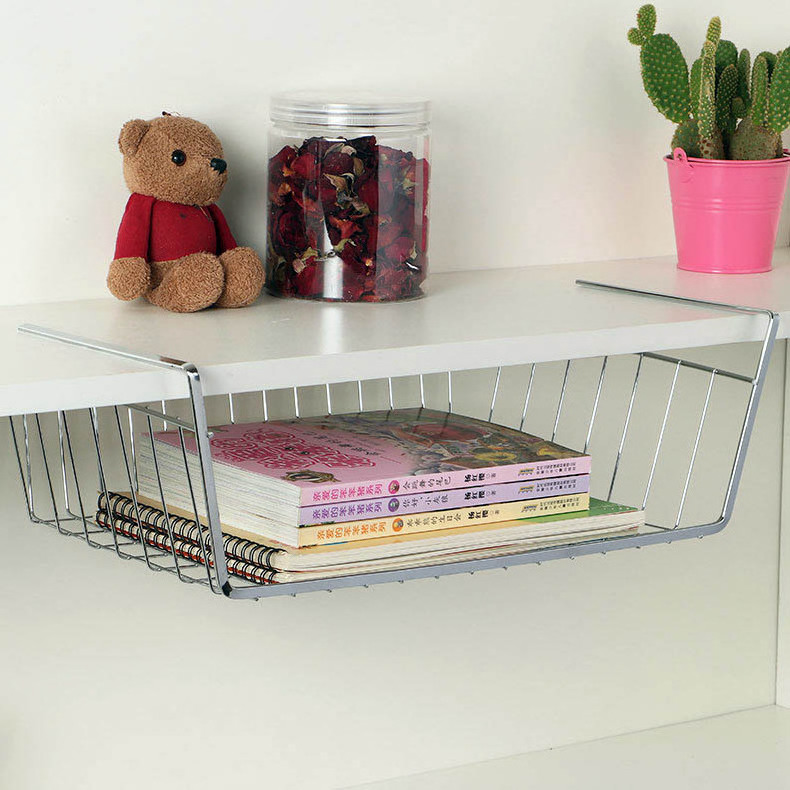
(351, 108)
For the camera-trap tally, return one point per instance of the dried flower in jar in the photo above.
(348, 220)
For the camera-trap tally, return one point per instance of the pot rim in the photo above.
(697, 161)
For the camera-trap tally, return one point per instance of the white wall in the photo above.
(546, 148)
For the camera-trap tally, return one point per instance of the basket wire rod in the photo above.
(168, 525)
(103, 481)
(28, 468)
(328, 399)
(658, 527)
(625, 427)
(265, 404)
(661, 435)
(50, 486)
(77, 491)
(694, 451)
(205, 553)
(231, 409)
(164, 412)
(422, 391)
(166, 418)
(389, 393)
(561, 400)
(748, 420)
(62, 449)
(527, 396)
(450, 391)
(676, 298)
(699, 366)
(595, 404)
(207, 474)
(494, 394)
(535, 556)
(148, 550)
(19, 465)
(296, 401)
(132, 491)
(730, 308)
(107, 348)
(132, 445)
(359, 394)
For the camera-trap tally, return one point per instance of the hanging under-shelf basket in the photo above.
(66, 459)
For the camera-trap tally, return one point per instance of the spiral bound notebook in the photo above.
(252, 560)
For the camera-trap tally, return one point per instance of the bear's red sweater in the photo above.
(160, 231)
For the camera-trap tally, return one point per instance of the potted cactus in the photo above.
(727, 170)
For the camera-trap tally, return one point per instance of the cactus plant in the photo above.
(759, 134)
(722, 87)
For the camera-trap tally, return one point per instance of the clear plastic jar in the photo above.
(348, 197)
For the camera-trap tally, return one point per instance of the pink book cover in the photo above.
(345, 457)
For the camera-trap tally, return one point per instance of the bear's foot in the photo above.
(129, 278)
(187, 284)
(243, 277)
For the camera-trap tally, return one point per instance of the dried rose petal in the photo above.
(305, 166)
(353, 284)
(388, 231)
(404, 214)
(368, 191)
(288, 233)
(280, 162)
(387, 181)
(337, 163)
(400, 250)
(423, 177)
(346, 228)
(309, 281)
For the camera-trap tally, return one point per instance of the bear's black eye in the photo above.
(178, 157)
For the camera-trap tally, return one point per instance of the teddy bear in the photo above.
(174, 246)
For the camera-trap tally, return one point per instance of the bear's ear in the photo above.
(132, 135)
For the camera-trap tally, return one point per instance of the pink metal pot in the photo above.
(726, 212)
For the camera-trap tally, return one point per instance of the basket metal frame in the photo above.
(73, 520)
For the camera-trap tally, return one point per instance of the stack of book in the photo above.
(357, 493)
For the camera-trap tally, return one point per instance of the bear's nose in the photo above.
(220, 165)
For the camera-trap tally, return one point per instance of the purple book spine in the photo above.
(314, 496)
(428, 501)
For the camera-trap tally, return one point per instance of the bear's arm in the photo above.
(135, 230)
(225, 240)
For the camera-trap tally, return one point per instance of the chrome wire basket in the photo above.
(650, 421)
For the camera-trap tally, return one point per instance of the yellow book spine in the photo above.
(320, 535)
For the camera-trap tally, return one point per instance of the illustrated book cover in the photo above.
(290, 464)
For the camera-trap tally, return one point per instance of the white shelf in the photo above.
(469, 320)
(745, 749)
